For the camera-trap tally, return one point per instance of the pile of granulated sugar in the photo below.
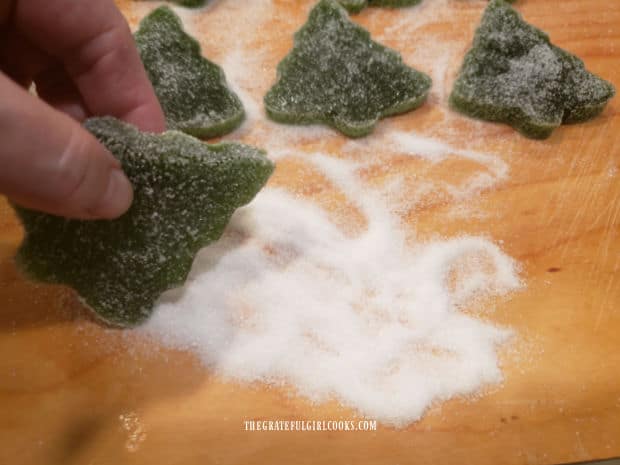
(373, 320)
(286, 297)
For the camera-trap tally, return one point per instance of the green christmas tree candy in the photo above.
(514, 75)
(192, 90)
(185, 192)
(191, 3)
(358, 5)
(337, 75)
(354, 6)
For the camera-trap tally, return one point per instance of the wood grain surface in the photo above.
(73, 392)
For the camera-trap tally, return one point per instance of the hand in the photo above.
(81, 56)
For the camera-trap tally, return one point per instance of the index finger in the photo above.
(93, 41)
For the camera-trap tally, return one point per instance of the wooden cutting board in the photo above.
(72, 392)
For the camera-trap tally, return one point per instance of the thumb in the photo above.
(50, 163)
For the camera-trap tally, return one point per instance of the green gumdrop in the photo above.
(337, 75)
(185, 192)
(514, 75)
(191, 89)
(355, 6)
(191, 3)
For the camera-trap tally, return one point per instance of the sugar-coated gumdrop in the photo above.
(191, 89)
(514, 75)
(337, 75)
(185, 192)
(191, 3)
(355, 6)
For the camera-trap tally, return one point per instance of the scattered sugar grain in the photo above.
(286, 297)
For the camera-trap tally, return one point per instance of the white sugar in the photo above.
(286, 297)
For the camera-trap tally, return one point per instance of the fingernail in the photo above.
(117, 197)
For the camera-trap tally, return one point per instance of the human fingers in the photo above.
(24, 63)
(19, 59)
(96, 47)
(6, 6)
(50, 163)
(57, 89)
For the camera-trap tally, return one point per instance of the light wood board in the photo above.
(72, 392)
